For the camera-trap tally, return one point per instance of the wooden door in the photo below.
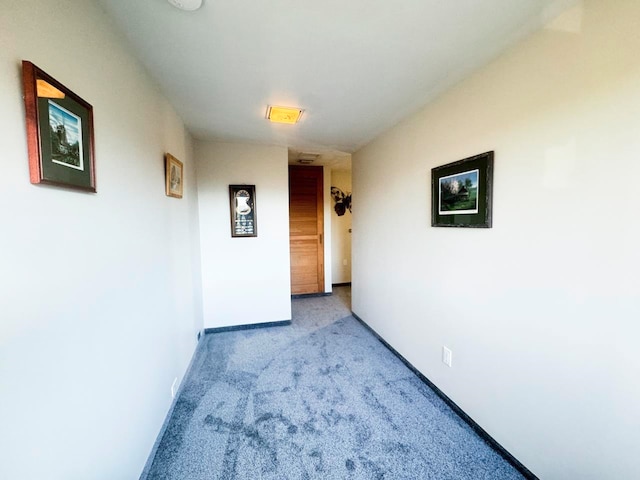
(306, 228)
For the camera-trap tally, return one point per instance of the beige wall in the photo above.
(340, 231)
(245, 280)
(92, 335)
(542, 310)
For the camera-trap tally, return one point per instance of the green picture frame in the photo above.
(60, 134)
(462, 193)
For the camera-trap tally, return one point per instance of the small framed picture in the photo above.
(242, 199)
(59, 132)
(174, 176)
(461, 193)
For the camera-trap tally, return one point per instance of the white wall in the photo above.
(92, 336)
(340, 231)
(542, 310)
(245, 280)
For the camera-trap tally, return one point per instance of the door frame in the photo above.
(321, 246)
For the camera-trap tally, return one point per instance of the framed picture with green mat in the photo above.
(461, 193)
(59, 132)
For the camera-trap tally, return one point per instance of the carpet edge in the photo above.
(482, 433)
(165, 424)
(248, 326)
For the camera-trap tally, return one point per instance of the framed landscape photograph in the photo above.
(59, 132)
(242, 199)
(461, 193)
(174, 176)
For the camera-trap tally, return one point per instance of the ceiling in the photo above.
(356, 67)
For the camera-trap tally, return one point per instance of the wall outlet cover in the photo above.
(446, 356)
(174, 387)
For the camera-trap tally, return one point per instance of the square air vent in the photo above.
(307, 158)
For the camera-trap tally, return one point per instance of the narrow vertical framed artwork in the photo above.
(60, 135)
(244, 218)
(174, 176)
(462, 193)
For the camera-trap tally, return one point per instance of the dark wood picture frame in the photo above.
(244, 217)
(60, 134)
(174, 176)
(462, 193)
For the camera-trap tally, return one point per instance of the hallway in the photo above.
(320, 399)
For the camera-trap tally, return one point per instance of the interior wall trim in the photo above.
(154, 449)
(249, 326)
(503, 452)
(165, 424)
(310, 295)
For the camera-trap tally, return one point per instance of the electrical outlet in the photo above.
(174, 387)
(446, 356)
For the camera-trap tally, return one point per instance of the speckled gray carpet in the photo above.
(320, 399)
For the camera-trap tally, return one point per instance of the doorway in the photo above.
(340, 226)
(306, 229)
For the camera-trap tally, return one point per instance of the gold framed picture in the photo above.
(174, 176)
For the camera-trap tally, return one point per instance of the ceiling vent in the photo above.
(307, 158)
(188, 5)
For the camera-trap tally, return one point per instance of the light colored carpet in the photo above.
(320, 399)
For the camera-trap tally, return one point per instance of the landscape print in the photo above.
(66, 135)
(459, 193)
